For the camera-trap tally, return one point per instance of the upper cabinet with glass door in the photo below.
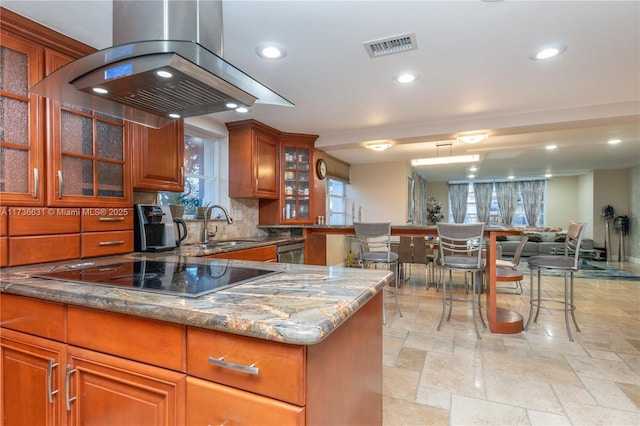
(21, 126)
(89, 159)
(297, 180)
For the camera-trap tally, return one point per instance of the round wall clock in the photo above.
(321, 169)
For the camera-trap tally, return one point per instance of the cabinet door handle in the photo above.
(59, 183)
(250, 369)
(67, 385)
(110, 243)
(36, 183)
(111, 219)
(50, 391)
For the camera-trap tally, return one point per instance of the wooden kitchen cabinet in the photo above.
(297, 182)
(158, 157)
(253, 154)
(33, 369)
(22, 144)
(258, 254)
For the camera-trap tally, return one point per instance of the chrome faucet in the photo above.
(205, 231)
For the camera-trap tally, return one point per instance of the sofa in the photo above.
(540, 242)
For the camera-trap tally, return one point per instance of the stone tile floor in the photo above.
(537, 377)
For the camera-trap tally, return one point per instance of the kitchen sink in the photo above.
(226, 243)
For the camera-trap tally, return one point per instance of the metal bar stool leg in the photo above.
(566, 306)
(444, 299)
(573, 306)
(397, 303)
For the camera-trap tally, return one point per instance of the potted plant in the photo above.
(434, 211)
(201, 209)
(607, 214)
(622, 226)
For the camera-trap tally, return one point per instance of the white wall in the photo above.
(562, 201)
(585, 203)
(381, 190)
(610, 187)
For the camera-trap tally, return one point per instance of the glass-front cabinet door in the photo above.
(21, 141)
(297, 183)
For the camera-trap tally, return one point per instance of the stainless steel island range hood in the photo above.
(166, 64)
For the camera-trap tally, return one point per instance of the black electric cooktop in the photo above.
(175, 278)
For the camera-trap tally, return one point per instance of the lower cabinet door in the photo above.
(32, 374)
(210, 403)
(107, 390)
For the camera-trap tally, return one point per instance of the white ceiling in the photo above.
(475, 74)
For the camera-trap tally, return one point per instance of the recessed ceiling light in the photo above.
(231, 105)
(174, 115)
(242, 110)
(613, 141)
(271, 51)
(471, 176)
(473, 137)
(164, 74)
(548, 52)
(550, 147)
(473, 169)
(100, 90)
(379, 146)
(548, 175)
(511, 177)
(406, 78)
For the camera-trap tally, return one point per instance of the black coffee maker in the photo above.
(155, 229)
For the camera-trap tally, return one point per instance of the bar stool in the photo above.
(461, 250)
(567, 264)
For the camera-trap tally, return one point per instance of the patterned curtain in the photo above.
(458, 193)
(482, 193)
(532, 192)
(507, 196)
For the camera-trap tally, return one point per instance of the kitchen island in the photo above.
(301, 346)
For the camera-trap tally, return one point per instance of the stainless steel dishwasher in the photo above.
(291, 253)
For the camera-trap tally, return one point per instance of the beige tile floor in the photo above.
(537, 377)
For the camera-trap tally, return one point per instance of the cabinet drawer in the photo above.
(3, 222)
(213, 404)
(154, 342)
(106, 243)
(259, 254)
(43, 221)
(280, 367)
(44, 319)
(4, 251)
(102, 219)
(46, 248)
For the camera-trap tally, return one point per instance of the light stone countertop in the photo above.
(301, 305)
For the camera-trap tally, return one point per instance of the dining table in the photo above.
(501, 320)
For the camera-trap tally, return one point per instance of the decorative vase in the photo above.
(621, 254)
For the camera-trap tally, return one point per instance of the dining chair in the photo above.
(461, 247)
(405, 257)
(420, 256)
(566, 264)
(374, 240)
(513, 264)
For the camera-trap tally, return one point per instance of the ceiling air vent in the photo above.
(389, 45)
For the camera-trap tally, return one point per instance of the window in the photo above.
(201, 171)
(519, 218)
(336, 202)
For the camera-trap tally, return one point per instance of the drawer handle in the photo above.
(110, 243)
(111, 219)
(60, 190)
(67, 385)
(250, 369)
(50, 391)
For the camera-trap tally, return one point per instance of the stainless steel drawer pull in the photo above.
(111, 219)
(110, 243)
(51, 392)
(250, 369)
(67, 385)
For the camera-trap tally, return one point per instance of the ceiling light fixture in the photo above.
(473, 169)
(473, 137)
(548, 175)
(174, 115)
(379, 146)
(550, 147)
(405, 78)
(548, 52)
(242, 110)
(445, 160)
(271, 51)
(614, 141)
(511, 177)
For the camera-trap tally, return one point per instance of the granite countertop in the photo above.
(301, 305)
(218, 246)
